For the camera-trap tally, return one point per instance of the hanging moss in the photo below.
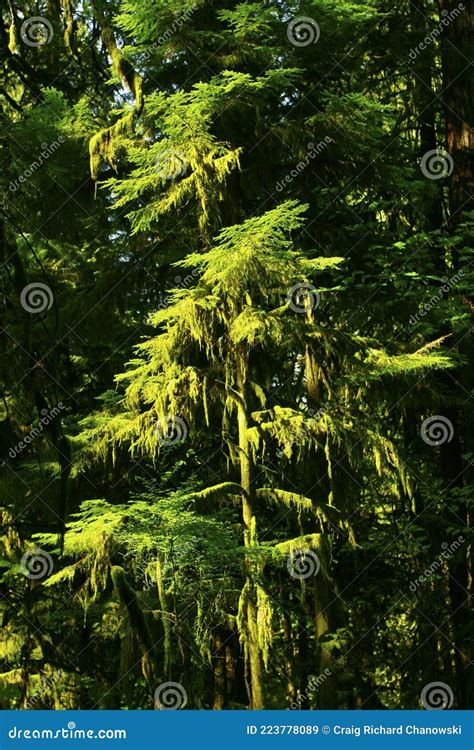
(164, 613)
(105, 146)
(138, 623)
(13, 45)
(70, 25)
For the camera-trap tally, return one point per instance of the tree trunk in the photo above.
(458, 100)
(254, 660)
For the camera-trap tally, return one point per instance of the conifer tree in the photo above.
(236, 338)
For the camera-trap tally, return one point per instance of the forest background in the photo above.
(236, 378)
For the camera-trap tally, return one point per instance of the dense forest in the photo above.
(236, 384)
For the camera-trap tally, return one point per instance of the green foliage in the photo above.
(177, 174)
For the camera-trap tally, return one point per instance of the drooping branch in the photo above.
(103, 145)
